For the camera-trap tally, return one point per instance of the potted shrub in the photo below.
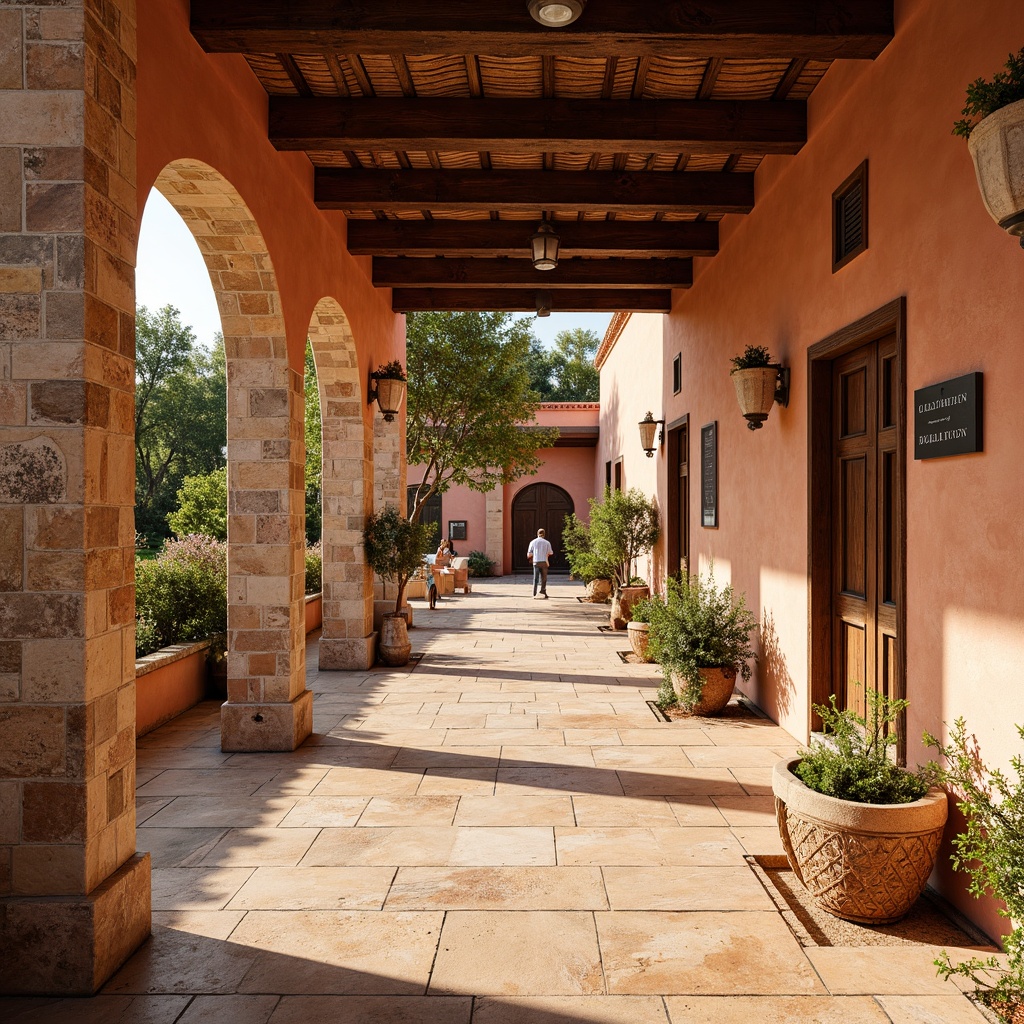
(860, 832)
(991, 851)
(701, 637)
(394, 551)
(638, 627)
(993, 125)
(755, 378)
(585, 562)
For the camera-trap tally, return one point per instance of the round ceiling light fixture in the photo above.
(556, 13)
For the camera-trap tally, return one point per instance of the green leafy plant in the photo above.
(389, 371)
(623, 526)
(754, 356)
(314, 568)
(984, 98)
(585, 562)
(853, 762)
(202, 505)
(394, 547)
(700, 625)
(480, 564)
(636, 581)
(991, 852)
(645, 609)
(147, 639)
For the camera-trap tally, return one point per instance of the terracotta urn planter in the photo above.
(622, 604)
(997, 149)
(719, 684)
(639, 638)
(755, 391)
(861, 862)
(394, 641)
(598, 591)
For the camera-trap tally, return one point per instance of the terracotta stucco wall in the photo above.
(772, 283)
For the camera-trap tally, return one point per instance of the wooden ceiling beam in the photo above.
(524, 300)
(402, 272)
(813, 29)
(590, 191)
(538, 126)
(628, 239)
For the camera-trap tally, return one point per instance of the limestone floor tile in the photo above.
(594, 811)
(742, 953)
(648, 847)
(207, 888)
(102, 1009)
(513, 756)
(325, 812)
(147, 806)
(678, 888)
(882, 970)
(210, 924)
(206, 781)
(640, 757)
(497, 888)
(759, 733)
(293, 782)
(314, 888)
(756, 781)
(469, 697)
(734, 757)
(760, 840)
(567, 1009)
(252, 847)
(457, 781)
(777, 1010)
(373, 1010)
(230, 1010)
(746, 810)
(509, 953)
(339, 952)
(411, 811)
(177, 848)
(558, 779)
(694, 810)
(591, 737)
(661, 781)
(674, 734)
(947, 1009)
(446, 757)
(514, 737)
(381, 847)
(351, 781)
(222, 811)
(515, 810)
(497, 846)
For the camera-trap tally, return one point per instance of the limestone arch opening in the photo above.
(540, 505)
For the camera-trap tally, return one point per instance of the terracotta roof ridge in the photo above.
(615, 328)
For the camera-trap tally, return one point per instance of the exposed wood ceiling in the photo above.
(447, 130)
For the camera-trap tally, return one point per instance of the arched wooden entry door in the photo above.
(536, 506)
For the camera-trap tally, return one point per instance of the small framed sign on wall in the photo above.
(709, 475)
(456, 529)
(948, 418)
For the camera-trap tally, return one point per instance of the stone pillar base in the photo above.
(348, 654)
(71, 945)
(266, 727)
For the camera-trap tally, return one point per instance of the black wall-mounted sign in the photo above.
(456, 529)
(709, 475)
(948, 418)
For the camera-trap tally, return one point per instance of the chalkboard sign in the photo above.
(709, 475)
(948, 418)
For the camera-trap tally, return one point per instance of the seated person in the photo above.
(444, 554)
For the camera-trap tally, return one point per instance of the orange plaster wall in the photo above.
(212, 108)
(931, 241)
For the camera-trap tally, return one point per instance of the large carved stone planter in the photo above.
(394, 641)
(598, 591)
(861, 862)
(622, 604)
(997, 149)
(639, 638)
(719, 684)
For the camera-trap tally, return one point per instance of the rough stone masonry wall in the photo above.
(74, 898)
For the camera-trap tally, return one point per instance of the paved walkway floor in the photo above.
(505, 833)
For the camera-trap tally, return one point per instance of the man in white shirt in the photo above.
(539, 552)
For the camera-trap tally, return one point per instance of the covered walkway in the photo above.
(504, 832)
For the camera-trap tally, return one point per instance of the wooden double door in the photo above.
(866, 530)
(535, 507)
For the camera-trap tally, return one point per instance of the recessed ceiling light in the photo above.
(556, 13)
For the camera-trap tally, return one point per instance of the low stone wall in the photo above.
(314, 612)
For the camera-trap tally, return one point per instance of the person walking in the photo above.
(539, 553)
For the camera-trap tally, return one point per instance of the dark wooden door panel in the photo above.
(536, 506)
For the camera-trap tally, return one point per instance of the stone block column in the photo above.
(389, 488)
(74, 895)
(494, 518)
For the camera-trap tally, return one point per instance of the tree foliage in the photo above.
(469, 395)
(202, 505)
(394, 547)
(180, 413)
(567, 372)
(623, 527)
(314, 450)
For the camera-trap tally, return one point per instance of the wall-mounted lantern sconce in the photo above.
(648, 429)
(544, 247)
(555, 13)
(387, 389)
(758, 388)
(543, 300)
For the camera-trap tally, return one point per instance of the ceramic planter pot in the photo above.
(997, 149)
(719, 684)
(755, 391)
(394, 641)
(639, 638)
(861, 862)
(622, 604)
(598, 591)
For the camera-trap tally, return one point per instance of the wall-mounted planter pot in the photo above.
(997, 149)
(757, 390)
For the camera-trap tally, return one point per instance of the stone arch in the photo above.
(347, 641)
(268, 706)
